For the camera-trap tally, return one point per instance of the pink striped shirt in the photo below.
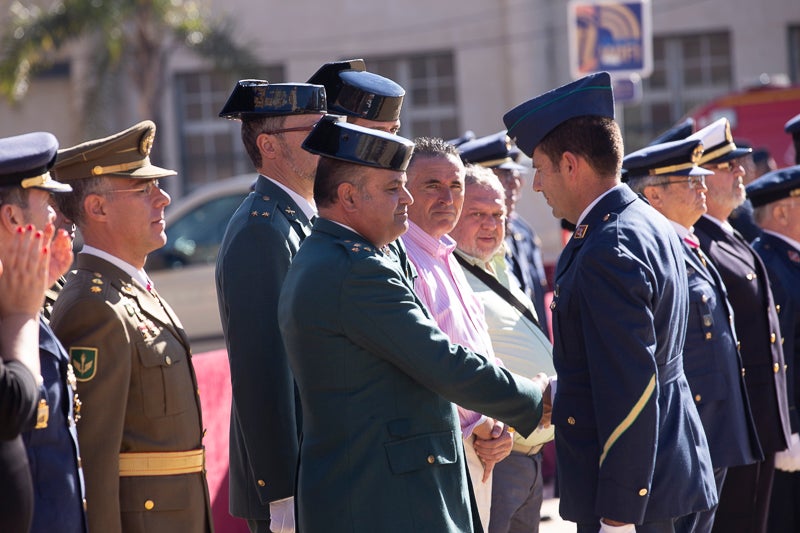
(443, 288)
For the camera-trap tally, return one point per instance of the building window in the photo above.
(430, 106)
(688, 71)
(211, 147)
(794, 54)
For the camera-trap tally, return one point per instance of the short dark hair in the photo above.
(71, 203)
(14, 195)
(597, 139)
(432, 147)
(255, 126)
(330, 174)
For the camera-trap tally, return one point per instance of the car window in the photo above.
(194, 238)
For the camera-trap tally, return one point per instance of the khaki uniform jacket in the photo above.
(135, 378)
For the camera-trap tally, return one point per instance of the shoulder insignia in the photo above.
(71, 380)
(254, 213)
(794, 257)
(580, 231)
(84, 362)
(97, 281)
(127, 289)
(265, 198)
(265, 214)
(289, 211)
(95, 289)
(98, 275)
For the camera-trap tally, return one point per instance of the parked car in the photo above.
(183, 270)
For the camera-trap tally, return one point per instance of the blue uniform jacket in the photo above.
(630, 443)
(53, 454)
(260, 242)
(783, 264)
(714, 368)
(757, 328)
(381, 448)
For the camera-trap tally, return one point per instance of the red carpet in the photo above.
(214, 381)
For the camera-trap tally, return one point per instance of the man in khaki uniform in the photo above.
(141, 429)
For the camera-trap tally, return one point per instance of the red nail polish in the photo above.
(38, 235)
(30, 227)
(19, 229)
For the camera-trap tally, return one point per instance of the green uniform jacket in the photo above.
(139, 394)
(381, 447)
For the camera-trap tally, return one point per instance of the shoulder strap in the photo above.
(498, 288)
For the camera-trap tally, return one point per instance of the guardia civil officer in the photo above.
(260, 242)
(41, 484)
(667, 175)
(381, 446)
(141, 428)
(744, 501)
(776, 208)
(369, 100)
(629, 442)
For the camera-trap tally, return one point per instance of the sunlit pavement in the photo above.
(555, 524)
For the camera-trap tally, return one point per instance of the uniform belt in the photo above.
(161, 463)
(670, 371)
(526, 450)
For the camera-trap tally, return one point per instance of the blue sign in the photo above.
(610, 36)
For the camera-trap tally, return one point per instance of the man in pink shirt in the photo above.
(436, 181)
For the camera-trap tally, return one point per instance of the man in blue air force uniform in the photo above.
(381, 447)
(631, 450)
(666, 174)
(777, 211)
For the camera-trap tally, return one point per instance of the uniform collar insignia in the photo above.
(580, 231)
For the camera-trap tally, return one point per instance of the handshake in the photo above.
(494, 441)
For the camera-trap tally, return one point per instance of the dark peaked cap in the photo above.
(354, 92)
(678, 132)
(362, 146)
(26, 159)
(252, 98)
(676, 158)
(774, 186)
(531, 121)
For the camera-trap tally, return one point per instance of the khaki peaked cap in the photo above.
(125, 154)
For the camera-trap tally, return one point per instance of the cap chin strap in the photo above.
(122, 167)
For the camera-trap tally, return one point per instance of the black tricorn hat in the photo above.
(354, 92)
(252, 98)
(362, 146)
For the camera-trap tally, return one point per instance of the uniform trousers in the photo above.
(745, 505)
(784, 511)
(517, 494)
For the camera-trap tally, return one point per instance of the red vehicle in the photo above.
(757, 117)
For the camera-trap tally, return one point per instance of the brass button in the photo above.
(708, 335)
(149, 504)
(697, 398)
(738, 345)
(778, 308)
(85, 506)
(704, 298)
(431, 459)
(80, 463)
(751, 276)
(261, 483)
(168, 360)
(605, 218)
(743, 372)
(571, 421)
(785, 366)
(772, 338)
(642, 492)
(553, 305)
(707, 321)
(776, 367)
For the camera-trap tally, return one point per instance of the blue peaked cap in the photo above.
(774, 186)
(793, 125)
(676, 158)
(25, 161)
(530, 122)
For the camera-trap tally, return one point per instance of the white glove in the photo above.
(281, 515)
(627, 528)
(789, 459)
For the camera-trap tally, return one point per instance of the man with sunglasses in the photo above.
(259, 245)
(666, 174)
(744, 502)
(141, 429)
